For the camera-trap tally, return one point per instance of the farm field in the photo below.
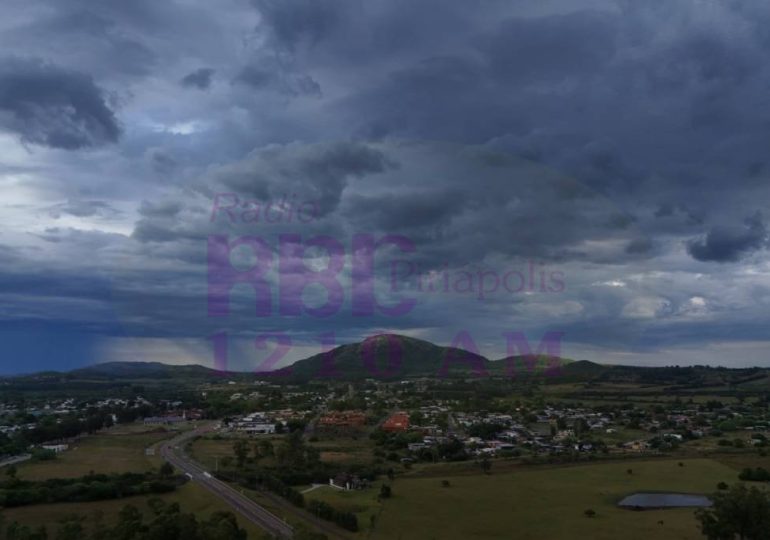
(548, 502)
(110, 451)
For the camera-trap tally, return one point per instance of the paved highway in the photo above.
(173, 452)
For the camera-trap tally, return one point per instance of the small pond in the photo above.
(664, 500)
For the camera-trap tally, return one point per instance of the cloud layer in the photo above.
(619, 143)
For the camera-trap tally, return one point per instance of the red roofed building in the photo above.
(343, 419)
(397, 422)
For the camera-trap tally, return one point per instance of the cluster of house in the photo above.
(554, 430)
(243, 395)
(7, 430)
(121, 403)
(262, 422)
(66, 406)
(63, 407)
(166, 420)
(171, 418)
(258, 423)
(69, 406)
(53, 408)
(342, 419)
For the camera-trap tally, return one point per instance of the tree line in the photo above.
(15, 492)
(162, 521)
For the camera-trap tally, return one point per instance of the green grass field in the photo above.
(208, 451)
(345, 449)
(105, 452)
(117, 450)
(548, 503)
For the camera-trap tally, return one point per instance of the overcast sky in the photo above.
(611, 154)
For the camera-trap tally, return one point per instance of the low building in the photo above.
(348, 482)
(57, 448)
(342, 419)
(256, 424)
(396, 422)
(637, 446)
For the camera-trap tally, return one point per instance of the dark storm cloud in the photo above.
(576, 91)
(664, 210)
(92, 36)
(639, 246)
(170, 221)
(161, 161)
(148, 15)
(278, 80)
(62, 285)
(295, 21)
(80, 239)
(147, 230)
(254, 77)
(458, 204)
(82, 208)
(406, 212)
(316, 172)
(54, 107)
(200, 78)
(413, 101)
(551, 48)
(160, 209)
(730, 244)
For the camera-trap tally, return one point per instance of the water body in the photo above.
(664, 500)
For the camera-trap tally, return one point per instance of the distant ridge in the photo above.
(376, 358)
(142, 370)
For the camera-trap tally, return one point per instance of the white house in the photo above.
(58, 448)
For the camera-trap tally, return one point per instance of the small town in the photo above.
(389, 413)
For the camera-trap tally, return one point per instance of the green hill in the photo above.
(387, 356)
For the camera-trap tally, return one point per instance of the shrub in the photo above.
(346, 520)
(41, 454)
(759, 474)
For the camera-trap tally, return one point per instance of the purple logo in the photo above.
(282, 272)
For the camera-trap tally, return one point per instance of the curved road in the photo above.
(172, 451)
